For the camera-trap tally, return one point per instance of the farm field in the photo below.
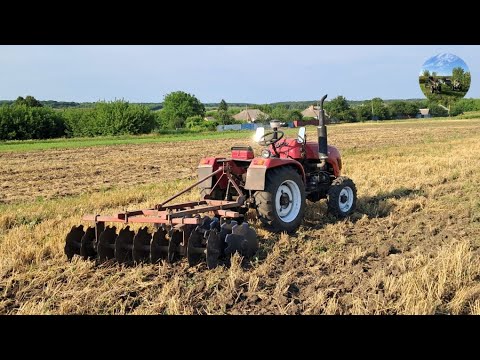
(412, 246)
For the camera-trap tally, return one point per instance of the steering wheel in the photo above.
(265, 142)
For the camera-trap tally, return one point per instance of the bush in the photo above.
(22, 122)
(110, 118)
(178, 106)
(80, 122)
(465, 105)
(194, 121)
(437, 111)
(197, 123)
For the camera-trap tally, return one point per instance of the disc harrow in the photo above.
(180, 231)
(209, 241)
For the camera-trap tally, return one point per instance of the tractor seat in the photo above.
(242, 153)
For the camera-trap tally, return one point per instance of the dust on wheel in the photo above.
(281, 205)
(342, 197)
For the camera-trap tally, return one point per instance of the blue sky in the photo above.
(443, 64)
(247, 73)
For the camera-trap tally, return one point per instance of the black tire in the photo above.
(265, 200)
(336, 197)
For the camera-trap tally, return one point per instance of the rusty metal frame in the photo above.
(180, 213)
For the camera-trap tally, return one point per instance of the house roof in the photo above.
(312, 111)
(249, 114)
(424, 111)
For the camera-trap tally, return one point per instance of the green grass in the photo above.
(31, 145)
(35, 145)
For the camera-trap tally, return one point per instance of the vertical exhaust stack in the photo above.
(322, 133)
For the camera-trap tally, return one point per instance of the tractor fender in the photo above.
(257, 171)
(205, 168)
(335, 159)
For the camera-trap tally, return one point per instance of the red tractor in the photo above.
(276, 184)
(288, 172)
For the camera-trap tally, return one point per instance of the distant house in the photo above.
(423, 113)
(312, 111)
(209, 118)
(250, 115)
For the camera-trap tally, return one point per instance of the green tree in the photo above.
(110, 118)
(437, 110)
(262, 118)
(380, 110)
(411, 109)
(362, 112)
(402, 108)
(458, 74)
(178, 106)
(426, 73)
(22, 122)
(28, 101)
(434, 73)
(194, 122)
(224, 118)
(280, 112)
(266, 108)
(294, 115)
(377, 109)
(223, 106)
(338, 108)
(222, 115)
(465, 105)
(467, 79)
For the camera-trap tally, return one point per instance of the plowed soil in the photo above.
(412, 246)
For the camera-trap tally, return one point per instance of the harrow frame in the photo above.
(189, 234)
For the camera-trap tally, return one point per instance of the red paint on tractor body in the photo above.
(242, 153)
(292, 149)
(272, 162)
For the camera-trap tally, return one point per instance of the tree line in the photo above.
(28, 118)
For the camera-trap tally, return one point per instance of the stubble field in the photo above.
(412, 246)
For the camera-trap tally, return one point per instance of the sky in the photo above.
(443, 64)
(236, 73)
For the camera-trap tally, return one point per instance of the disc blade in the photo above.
(141, 246)
(73, 241)
(206, 223)
(106, 244)
(124, 245)
(235, 243)
(195, 249)
(176, 237)
(250, 247)
(159, 246)
(87, 248)
(226, 229)
(214, 249)
(215, 224)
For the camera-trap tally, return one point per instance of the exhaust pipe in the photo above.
(322, 133)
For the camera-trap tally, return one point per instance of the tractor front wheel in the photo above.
(281, 206)
(342, 197)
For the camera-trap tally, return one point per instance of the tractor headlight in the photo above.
(266, 154)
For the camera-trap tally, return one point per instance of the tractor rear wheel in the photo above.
(281, 206)
(342, 197)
